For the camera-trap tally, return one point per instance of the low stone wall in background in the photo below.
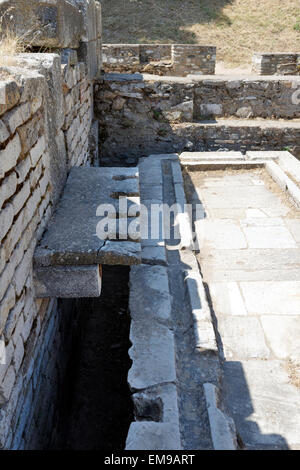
(160, 59)
(278, 63)
(140, 116)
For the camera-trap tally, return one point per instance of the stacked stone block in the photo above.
(45, 129)
(279, 63)
(160, 59)
(78, 101)
(140, 116)
(25, 194)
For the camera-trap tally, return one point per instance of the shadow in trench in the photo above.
(96, 407)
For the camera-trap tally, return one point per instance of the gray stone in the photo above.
(248, 197)
(283, 334)
(152, 353)
(242, 338)
(149, 294)
(50, 23)
(274, 298)
(154, 255)
(67, 281)
(269, 237)
(263, 403)
(222, 427)
(71, 237)
(227, 298)
(153, 436)
(294, 227)
(220, 234)
(163, 399)
(250, 265)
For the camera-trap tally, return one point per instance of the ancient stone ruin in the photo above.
(177, 326)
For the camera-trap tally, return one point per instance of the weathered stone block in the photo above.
(153, 436)
(49, 23)
(8, 187)
(6, 218)
(17, 116)
(9, 95)
(9, 156)
(7, 385)
(68, 282)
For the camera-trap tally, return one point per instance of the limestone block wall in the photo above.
(160, 59)
(141, 116)
(78, 111)
(276, 63)
(45, 128)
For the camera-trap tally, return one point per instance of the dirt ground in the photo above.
(237, 27)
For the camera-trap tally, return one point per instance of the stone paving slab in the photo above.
(227, 298)
(238, 180)
(248, 197)
(250, 265)
(269, 237)
(280, 332)
(220, 234)
(255, 297)
(277, 298)
(242, 338)
(71, 235)
(294, 227)
(263, 403)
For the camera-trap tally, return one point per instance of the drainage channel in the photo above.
(96, 407)
(193, 368)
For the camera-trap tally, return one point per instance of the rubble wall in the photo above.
(142, 115)
(160, 59)
(280, 63)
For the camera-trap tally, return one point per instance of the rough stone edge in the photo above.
(148, 431)
(283, 181)
(222, 427)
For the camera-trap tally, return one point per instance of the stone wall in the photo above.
(46, 127)
(141, 116)
(279, 63)
(160, 59)
(268, 98)
(57, 24)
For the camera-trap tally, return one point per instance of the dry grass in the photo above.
(10, 46)
(237, 27)
(10, 43)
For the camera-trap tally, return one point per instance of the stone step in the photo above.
(77, 233)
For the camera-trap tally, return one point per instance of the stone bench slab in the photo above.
(71, 237)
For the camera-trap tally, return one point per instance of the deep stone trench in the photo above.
(95, 407)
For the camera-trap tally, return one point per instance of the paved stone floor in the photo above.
(249, 255)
